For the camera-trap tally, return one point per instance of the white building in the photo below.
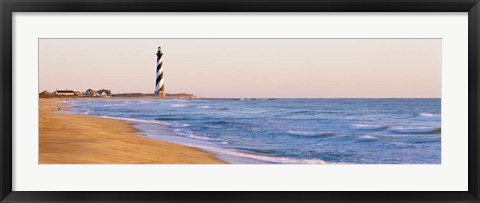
(91, 93)
(64, 92)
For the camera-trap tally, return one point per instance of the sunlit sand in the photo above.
(77, 139)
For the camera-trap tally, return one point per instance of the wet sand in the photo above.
(78, 139)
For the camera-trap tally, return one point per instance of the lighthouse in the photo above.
(159, 82)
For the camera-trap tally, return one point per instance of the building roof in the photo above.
(64, 91)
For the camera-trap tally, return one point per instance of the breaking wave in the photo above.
(307, 133)
(270, 159)
(191, 135)
(138, 120)
(429, 116)
(398, 129)
(416, 130)
(368, 137)
(369, 127)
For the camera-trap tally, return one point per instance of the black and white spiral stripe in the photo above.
(159, 83)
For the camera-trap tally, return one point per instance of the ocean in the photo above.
(291, 131)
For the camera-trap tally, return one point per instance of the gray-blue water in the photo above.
(361, 131)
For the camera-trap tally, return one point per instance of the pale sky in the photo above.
(242, 68)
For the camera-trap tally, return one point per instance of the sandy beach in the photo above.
(78, 139)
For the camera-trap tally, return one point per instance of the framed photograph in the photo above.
(264, 101)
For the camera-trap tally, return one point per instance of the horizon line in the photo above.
(200, 97)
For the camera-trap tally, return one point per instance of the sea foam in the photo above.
(368, 137)
(369, 127)
(416, 130)
(307, 133)
(429, 116)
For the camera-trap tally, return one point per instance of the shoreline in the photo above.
(162, 132)
(150, 97)
(80, 139)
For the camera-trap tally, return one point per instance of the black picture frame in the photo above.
(7, 7)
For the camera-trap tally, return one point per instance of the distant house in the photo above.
(105, 93)
(45, 94)
(99, 93)
(79, 94)
(64, 92)
(91, 93)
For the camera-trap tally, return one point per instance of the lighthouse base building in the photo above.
(160, 93)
